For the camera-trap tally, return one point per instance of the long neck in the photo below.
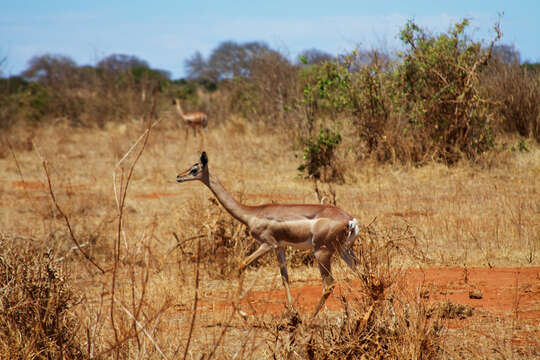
(238, 211)
(179, 109)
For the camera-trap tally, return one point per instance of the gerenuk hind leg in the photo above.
(324, 256)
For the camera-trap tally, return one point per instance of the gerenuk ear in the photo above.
(204, 158)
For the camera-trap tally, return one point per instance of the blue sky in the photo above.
(166, 33)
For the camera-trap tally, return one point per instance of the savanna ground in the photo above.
(449, 256)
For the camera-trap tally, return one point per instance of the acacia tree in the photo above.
(314, 57)
(228, 60)
(50, 69)
(57, 81)
(197, 67)
(119, 63)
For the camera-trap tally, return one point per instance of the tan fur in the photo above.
(324, 229)
(195, 120)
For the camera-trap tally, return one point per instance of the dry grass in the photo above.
(468, 215)
(35, 316)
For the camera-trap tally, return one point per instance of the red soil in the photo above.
(154, 195)
(33, 185)
(511, 292)
(38, 185)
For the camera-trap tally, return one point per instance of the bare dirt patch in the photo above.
(154, 195)
(514, 291)
(32, 185)
(511, 292)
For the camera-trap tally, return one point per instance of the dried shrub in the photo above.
(273, 84)
(372, 108)
(253, 81)
(319, 156)
(267, 93)
(54, 87)
(226, 244)
(449, 310)
(224, 241)
(515, 92)
(388, 330)
(378, 319)
(35, 311)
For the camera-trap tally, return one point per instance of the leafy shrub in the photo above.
(319, 155)
(437, 91)
(22, 99)
(325, 91)
(378, 319)
(332, 86)
(183, 89)
(356, 86)
(38, 99)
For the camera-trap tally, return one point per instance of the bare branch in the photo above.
(72, 235)
(120, 198)
(196, 299)
(142, 328)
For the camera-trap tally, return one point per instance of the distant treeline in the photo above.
(443, 97)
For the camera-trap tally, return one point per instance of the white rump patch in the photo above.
(353, 227)
(352, 232)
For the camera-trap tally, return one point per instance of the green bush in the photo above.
(438, 92)
(38, 101)
(326, 90)
(319, 155)
(355, 86)
(22, 99)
